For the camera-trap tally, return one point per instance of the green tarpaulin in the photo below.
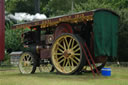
(105, 33)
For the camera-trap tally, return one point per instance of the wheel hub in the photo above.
(67, 53)
(26, 63)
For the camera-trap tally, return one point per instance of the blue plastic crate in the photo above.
(106, 71)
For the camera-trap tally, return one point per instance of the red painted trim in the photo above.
(2, 30)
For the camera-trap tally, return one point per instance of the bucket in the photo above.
(106, 71)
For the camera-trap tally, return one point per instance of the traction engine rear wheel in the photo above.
(67, 54)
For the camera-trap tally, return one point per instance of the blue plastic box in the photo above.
(106, 71)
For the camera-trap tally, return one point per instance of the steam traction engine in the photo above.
(70, 43)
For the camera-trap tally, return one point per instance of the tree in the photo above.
(13, 6)
(27, 6)
(91, 5)
(58, 7)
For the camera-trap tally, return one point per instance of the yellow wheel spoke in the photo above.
(72, 63)
(61, 61)
(28, 58)
(69, 43)
(75, 46)
(24, 58)
(72, 43)
(58, 54)
(60, 50)
(67, 62)
(66, 41)
(74, 60)
(64, 45)
(60, 45)
(47, 68)
(77, 58)
(64, 62)
(77, 49)
(77, 54)
(60, 57)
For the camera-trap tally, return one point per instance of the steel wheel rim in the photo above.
(66, 54)
(25, 63)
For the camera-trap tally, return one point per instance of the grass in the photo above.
(11, 76)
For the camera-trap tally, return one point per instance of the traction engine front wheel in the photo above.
(27, 63)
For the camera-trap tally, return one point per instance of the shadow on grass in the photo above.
(14, 72)
(54, 75)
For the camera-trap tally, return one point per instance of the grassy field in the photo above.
(12, 76)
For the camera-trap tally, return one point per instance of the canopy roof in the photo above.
(72, 18)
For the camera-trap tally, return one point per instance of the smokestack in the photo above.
(37, 6)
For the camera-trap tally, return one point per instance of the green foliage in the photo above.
(13, 39)
(13, 6)
(123, 19)
(28, 6)
(6, 59)
(120, 3)
(123, 45)
(8, 24)
(58, 7)
(91, 5)
(123, 35)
